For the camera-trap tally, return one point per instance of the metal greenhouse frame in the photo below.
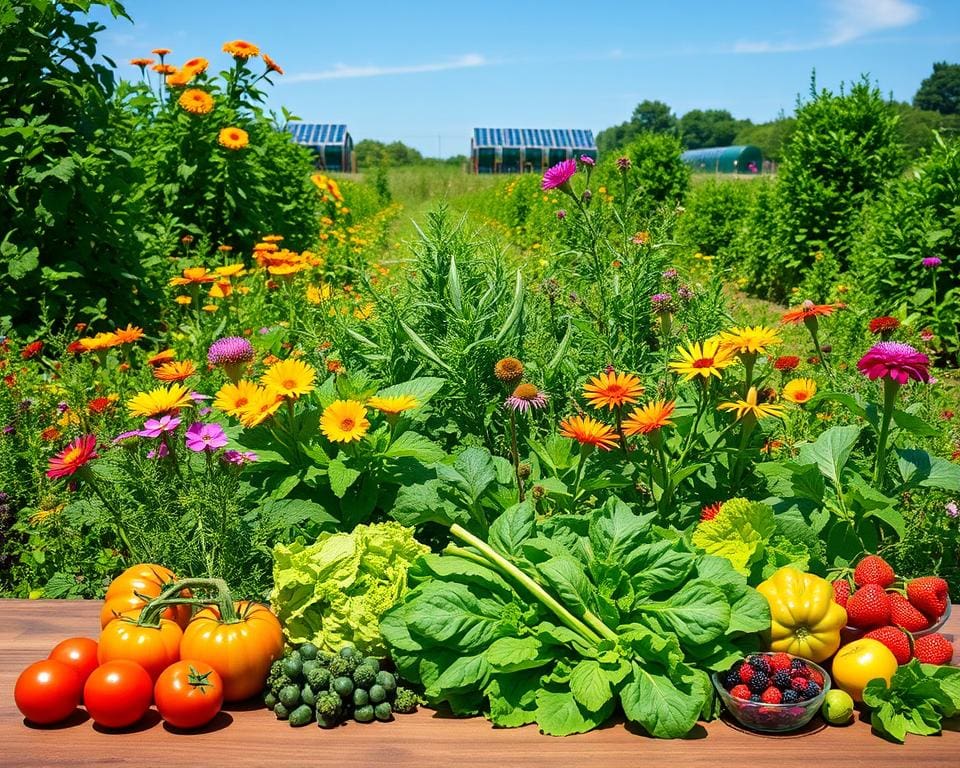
(527, 150)
(331, 142)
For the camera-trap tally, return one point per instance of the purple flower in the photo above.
(205, 411)
(526, 397)
(9, 429)
(561, 214)
(894, 360)
(230, 351)
(931, 262)
(587, 160)
(160, 452)
(198, 397)
(951, 508)
(239, 458)
(264, 331)
(123, 436)
(623, 163)
(671, 274)
(684, 292)
(205, 437)
(156, 427)
(559, 175)
(662, 302)
(62, 407)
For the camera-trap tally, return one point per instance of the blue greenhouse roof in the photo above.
(318, 134)
(566, 138)
(713, 153)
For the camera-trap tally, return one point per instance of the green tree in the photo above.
(918, 127)
(654, 117)
(940, 91)
(708, 128)
(369, 152)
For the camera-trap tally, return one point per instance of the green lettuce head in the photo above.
(333, 592)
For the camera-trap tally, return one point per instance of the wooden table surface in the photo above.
(252, 736)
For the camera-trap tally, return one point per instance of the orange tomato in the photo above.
(153, 648)
(241, 652)
(131, 590)
(857, 664)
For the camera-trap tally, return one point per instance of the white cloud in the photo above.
(342, 71)
(849, 20)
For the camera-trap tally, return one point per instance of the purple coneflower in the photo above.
(587, 160)
(896, 361)
(156, 427)
(559, 175)
(930, 262)
(233, 353)
(205, 437)
(526, 397)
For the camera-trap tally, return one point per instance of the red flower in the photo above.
(31, 350)
(885, 324)
(947, 415)
(99, 404)
(73, 457)
(76, 348)
(710, 511)
(786, 362)
(809, 310)
(50, 434)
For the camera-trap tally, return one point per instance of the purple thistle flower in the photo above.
(156, 427)
(238, 458)
(894, 360)
(662, 302)
(230, 350)
(930, 262)
(561, 214)
(951, 508)
(205, 437)
(587, 160)
(9, 429)
(623, 163)
(670, 274)
(559, 175)
(62, 407)
(526, 397)
(684, 292)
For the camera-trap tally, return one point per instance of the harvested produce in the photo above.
(873, 569)
(333, 592)
(555, 621)
(897, 640)
(48, 691)
(308, 682)
(869, 607)
(861, 661)
(933, 649)
(79, 653)
(118, 693)
(135, 587)
(837, 707)
(915, 699)
(151, 642)
(188, 694)
(805, 619)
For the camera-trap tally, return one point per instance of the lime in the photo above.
(837, 707)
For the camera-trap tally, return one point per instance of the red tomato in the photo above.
(48, 691)
(118, 693)
(79, 653)
(189, 694)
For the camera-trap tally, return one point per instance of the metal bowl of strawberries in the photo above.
(880, 599)
(773, 692)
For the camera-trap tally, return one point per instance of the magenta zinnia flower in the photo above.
(205, 437)
(233, 353)
(156, 427)
(930, 262)
(525, 397)
(558, 176)
(896, 361)
(587, 160)
(73, 458)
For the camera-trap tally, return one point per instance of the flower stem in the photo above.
(515, 454)
(890, 388)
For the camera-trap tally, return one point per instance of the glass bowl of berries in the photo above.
(773, 692)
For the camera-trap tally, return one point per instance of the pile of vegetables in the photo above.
(309, 682)
(333, 592)
(557, 621)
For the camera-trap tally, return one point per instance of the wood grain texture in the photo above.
(252, 736)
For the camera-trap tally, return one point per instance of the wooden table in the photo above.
(252, 736)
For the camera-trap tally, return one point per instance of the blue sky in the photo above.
(427, 72)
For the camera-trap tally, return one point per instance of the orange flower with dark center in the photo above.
(197, 65)
(240, 49)
(807, 310)
(160, 51)
(612, 390)
(128, 335)
(649, 417)
(100, 404)
(193, 275)
(272, 66)
(141, 62)
(196, 101)
(49, 434)
(233, 138)
(588, 431)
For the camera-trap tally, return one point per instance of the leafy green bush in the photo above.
(656, 170)
(715, 211)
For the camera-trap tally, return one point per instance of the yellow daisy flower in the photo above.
(704, 360)
(751, 407)
(393, 404)
(290, 378)
(159, 401)
(344, 421)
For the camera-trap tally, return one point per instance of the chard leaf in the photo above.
(512, 654)
(513, 698)
(512, 528)
(459, 569)
(666, 708)
(698, 613)
(451, 616)
(590, 685)
(565, 575)
(559, 714)
(465, 674)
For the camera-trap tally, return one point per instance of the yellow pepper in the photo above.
(805, 620)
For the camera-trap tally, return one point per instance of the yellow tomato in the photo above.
(804, 618)
(857, 664)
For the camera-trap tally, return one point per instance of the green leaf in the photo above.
(473, 472)
(451, 616)
(465, 674)
(738, 532)
(914, 424)
(423, 348)
(566, 577)
(423, 389)
(665, 708)
(514, 526)
(513, 698)
(698, 613)
(512, 654)
(615, 530)
(559, 714)
(454, 289)
(920, 468)
(831, 451)
(590, 685)
(515, 309)
(415, 446)
(341, 477)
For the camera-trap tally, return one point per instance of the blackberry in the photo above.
(759, 682)
(798, 664)
(782, 680)
(755, 697)
(813, 690)
(760, 663)
(790, 697)
(731, 678)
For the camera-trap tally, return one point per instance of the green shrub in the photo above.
(715, 211)
(656, 170)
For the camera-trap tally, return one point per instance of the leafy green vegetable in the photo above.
(918, 698)
(333, 592)
(556, 621)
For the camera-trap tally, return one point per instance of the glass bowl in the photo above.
(773, 718)
(852, 633)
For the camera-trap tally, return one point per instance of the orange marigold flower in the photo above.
(335, 366)
(612, 389)
(272, 66)
(588, 431)
(180, 78)
(175, 371)
(183, 300)
(196, 101)
(233, 138)
(272, 238)
(164, 69)
(128, 335)
(160, 51)
(884, 325)
(220, 290)
(50, 434)
(100, 404)
(100, 341)
(649, 417)
(141, 62)
(223, 248)
(194, 275)
(240, 49)
(164, 356)
(198, 65)
(31, 350)
(807, 310)
(76, 347)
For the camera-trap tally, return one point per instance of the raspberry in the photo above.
(771, 696)
(803, 672)
(798, 684)
(782, 680)
(790, 697)
(817, 677)
(759, 682)
(740, 692)
(746, 672)
(780, 661)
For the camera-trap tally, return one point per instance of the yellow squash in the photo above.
(805, 620)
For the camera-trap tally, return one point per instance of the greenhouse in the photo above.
(520, 150)
(331, 143)
(741, 159)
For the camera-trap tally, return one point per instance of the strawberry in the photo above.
(873, 569)
(841, 592)
(895, 639)
(929, 594)
(771, 696)
(905, 615)
(740, 692)
(868, 607)
(746, 672)
(933, 649)
(780, 661)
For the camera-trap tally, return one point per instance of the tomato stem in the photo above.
(171, 595)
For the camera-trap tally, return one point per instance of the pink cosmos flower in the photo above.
(559, 175)
(896, 361)
(239, 458)
(160, 452)
(156, 427)
(205, 437)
